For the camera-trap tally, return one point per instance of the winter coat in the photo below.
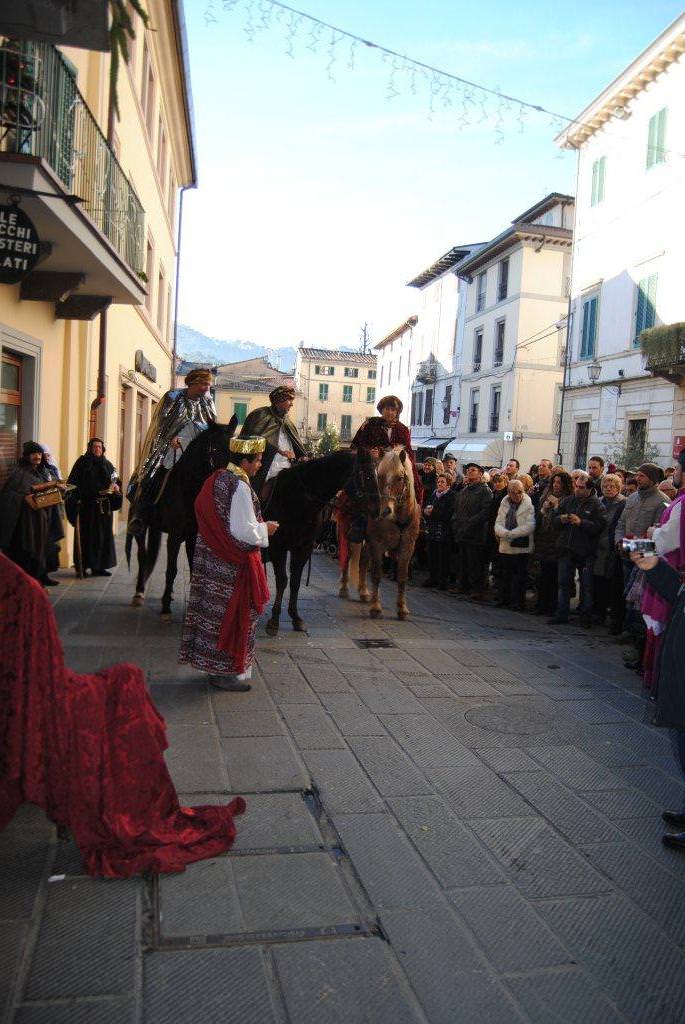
(641, 510)
(471, 519)
(579, 541)
(606, 556)
(438, 522)
(670, 702)
(525, 526)
(545, 532)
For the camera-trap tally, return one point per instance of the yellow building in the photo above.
(87, 336)
(336, 389)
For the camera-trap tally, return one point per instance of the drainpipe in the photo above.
(102, 341)
(178, 275)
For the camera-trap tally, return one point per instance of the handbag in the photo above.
(520, 542)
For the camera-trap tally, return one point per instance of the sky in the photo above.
(320, 197)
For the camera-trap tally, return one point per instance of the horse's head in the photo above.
(395, 483)
(209, 450)
(366, 494)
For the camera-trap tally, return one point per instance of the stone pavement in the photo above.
(451, 819)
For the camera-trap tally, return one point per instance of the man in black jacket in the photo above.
(470, 524)
(579, 521)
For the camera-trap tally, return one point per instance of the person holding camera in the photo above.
(670, 697)
(579, 521)
(438, 512)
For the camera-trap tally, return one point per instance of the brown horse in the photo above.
(394, 531)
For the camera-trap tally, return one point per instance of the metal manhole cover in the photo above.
(364, 643)
(505, 719)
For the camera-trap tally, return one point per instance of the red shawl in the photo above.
(88, 749)
(250, 589)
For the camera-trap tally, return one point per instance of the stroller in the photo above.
(327, 539)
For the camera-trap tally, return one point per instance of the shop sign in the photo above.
(19, 245)
(678, 445)
(145, 367)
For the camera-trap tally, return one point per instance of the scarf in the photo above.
(510, 519)
(250, 590)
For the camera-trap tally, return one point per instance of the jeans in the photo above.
(568, 564)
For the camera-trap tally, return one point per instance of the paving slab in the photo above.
(87, 941)
(447, 846)
(292, 891)
(201, 900)
(513, 935)
(79, 1011)
(276, 820)
(449, 976)
(428, 743)
(23, 858)
(194, 758)
(312, 728)
(342, 783)
(351, 715)
(568, 996)
(478, 793)
(538, 860)
(389, 768)
(214, 986)
(269, 765)
(562, 808)
(331, 984)
(625, 953)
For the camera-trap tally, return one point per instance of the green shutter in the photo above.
(600, 183)
(589, 332)
(595, 175)
(656, 138)
(645, 313)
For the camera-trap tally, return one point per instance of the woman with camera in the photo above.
(670, 699)
(30, 530)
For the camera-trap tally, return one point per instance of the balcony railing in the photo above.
(426, 372)
(43, 114)
(664, 351)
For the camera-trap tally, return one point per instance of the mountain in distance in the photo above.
(200, 348)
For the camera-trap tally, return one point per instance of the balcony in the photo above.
(664, 351)
(70, 184)
(427, 372)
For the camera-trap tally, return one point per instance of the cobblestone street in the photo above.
(450, 819)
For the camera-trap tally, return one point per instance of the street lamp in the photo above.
(594, 371)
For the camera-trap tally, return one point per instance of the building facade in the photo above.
(335, 389)
(629, 251)
(512, 352)
(395, 368)
(436, 353)
(86, 337)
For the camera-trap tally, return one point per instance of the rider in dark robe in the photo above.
(177, 408)
(283, 442)
(92, 504)
(385, 432)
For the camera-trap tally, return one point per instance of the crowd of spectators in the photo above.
(534, 542)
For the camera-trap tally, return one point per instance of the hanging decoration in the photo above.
(472, 104)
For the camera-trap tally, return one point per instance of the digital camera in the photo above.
(641, 545)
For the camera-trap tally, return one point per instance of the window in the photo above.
(399, 368)
(582, 439)
(412, 418)
(149, 264)
(481, 281)
(498, 354)
(10, 411)
(321, 421)
(371, 395)
(240, 411)
(419, 408)
(656, 139)
(347, 392)
(161, 301)
(477, 349)
(371, 374)
(598, 172)
(447, 404)
(428, 408)
(589, 328)
(123, 404)
(323, 392)
(637, 436)
(389, 373)
(473, 411)
(345, 428)
(382, 368)
(171, 199)
(645, 309)
(503, 280)
(324, 371)
(162, 154)
(140, 423)
(495, 404)
(351, 371)
(147, 98)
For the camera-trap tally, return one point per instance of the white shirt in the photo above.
(667, 537)
(188, 432)
(243, 522)
(280, 461)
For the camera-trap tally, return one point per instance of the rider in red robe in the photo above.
(384, 432)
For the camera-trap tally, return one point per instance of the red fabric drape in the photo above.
(88, 749)
(251, 589)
